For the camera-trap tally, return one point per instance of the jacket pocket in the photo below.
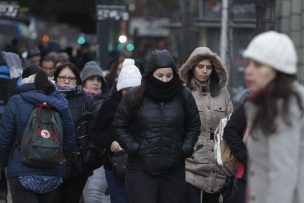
(219, 112)
(201, 151)
(220, 109)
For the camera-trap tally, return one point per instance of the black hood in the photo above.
(159, 59)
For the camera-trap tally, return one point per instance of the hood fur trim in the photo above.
(202, 53)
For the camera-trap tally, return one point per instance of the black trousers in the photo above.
(241, 186)
(21, 195)
(143, 187)
(195, 195)
(71, 190)
(3, 184)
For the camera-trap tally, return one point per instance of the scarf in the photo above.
(162, 91)
(68, 91)
(92, 94)
(256, 97)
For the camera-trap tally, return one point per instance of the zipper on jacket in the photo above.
(161, 129)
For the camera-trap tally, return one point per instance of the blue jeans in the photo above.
(118, 193)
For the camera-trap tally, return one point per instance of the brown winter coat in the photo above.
(202, 170)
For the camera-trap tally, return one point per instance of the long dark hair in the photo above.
(42, 83)
(111, 77)
(139, 95)
(268, 109)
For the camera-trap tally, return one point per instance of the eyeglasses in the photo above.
(69, 78)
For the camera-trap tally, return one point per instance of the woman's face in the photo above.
(93, 84)
(66, 78)
(163, 74)
(202, 71)
(258, 75)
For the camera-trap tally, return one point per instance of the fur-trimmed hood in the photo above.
(199, 54)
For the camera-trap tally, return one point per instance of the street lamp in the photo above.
(122, 39)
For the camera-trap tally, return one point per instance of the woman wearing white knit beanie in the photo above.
(275, 113)
(100, 129)
(129, 75)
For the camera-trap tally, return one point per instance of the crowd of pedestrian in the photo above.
(147, 133)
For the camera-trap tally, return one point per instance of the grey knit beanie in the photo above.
(90, 69)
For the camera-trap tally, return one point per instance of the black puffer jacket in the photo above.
(234, 132)
(79, 103)
(100, 129)
(158, 136)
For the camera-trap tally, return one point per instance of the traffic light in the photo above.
(81, 40)
(130, 47)
(120, 46)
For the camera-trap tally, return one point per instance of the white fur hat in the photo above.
(129, 75)
(274, 49)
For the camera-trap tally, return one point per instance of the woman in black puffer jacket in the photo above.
(157, 124)
(82, 107)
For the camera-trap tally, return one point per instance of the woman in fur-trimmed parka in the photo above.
(206, 76)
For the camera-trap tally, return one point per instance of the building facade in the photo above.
(241, 29)
(290, 20)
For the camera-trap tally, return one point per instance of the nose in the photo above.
(66, 80)
(204, 69)
(164, 79)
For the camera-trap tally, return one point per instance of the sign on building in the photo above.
(114, 12)
(9, 9)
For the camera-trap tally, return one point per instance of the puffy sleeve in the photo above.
(121, 124)
(7, 126)
(192, 123)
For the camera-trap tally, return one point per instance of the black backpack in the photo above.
(41, 143)
(86, 157)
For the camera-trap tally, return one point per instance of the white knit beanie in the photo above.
(273, 49)
(129, 75)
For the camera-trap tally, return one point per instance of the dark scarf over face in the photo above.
(163, 91)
